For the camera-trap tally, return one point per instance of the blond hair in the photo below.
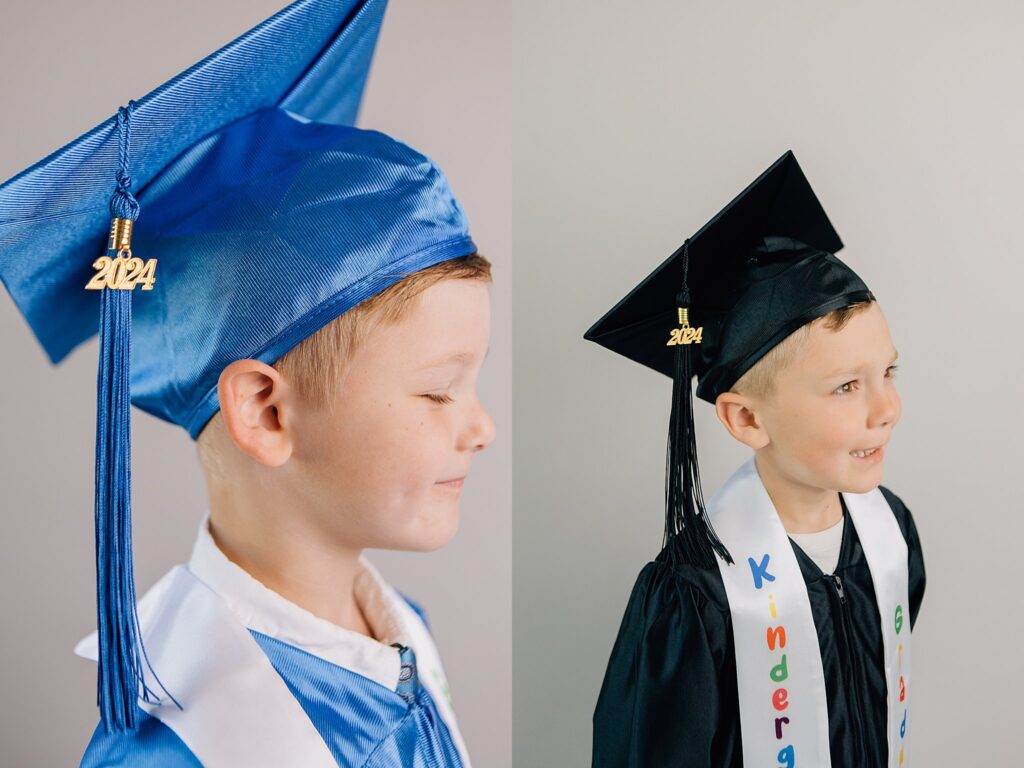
(316, 365)
(759, 381)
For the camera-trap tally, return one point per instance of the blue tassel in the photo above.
(122, 657)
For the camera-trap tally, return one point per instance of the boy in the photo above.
(774, 627)
(318, 324)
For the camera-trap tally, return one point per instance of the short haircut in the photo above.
(316, 365)
(759, 381)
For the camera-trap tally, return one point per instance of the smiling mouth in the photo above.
(870, 455)
(455, 483)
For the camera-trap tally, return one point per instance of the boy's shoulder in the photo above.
(153, 744)
(891, 497)
(901, 512)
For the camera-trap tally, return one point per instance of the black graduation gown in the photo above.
(670, 697)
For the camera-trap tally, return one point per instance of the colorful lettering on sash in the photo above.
(898, 619)
(760, 571)
(775, 637)
(903, 732)
(903, 684)
(779, 700)
(779, 672)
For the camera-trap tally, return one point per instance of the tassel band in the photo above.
(120, 235)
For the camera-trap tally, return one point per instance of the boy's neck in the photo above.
(285, 557)
(802, 509)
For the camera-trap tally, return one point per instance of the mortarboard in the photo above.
(268, 216)
(764, 266)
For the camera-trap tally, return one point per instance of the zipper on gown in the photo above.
(857, 707)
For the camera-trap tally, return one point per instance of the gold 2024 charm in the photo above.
(123, 272)
(685, 333)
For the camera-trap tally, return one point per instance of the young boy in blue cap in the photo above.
(774, 626)
(311, 308)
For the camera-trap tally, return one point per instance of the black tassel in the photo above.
(689, 535)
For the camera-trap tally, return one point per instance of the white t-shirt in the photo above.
(822, 547)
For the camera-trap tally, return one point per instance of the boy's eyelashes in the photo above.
(890, 372)
(442, 398)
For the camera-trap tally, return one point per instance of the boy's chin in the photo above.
(868, 482)
(428, 538)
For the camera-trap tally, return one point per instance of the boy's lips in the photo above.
(872, 458)
(455, 482)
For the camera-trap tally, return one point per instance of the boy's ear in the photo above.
(737, 413)
(253, 397)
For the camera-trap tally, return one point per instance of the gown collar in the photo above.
(261, 609)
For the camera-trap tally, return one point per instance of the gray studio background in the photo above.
(440, 81)
(634, 124)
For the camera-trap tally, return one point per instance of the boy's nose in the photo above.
(887, 408)
(480, 431)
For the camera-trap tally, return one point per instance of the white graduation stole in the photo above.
(248, 717)
(783, 709)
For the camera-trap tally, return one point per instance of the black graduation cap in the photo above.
(764, 266)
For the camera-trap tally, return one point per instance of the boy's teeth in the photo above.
(862, 454)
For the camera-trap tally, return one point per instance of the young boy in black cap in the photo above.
(774, 626)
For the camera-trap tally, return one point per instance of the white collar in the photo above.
(261, 609)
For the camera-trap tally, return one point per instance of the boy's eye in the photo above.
(846, 388)
(442, 399)
(843, 390)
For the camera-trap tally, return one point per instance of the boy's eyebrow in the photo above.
(845, 371)
(459, 357)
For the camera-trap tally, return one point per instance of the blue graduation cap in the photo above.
(262, 216)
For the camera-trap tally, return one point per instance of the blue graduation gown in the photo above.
(261, 682)
(361, 722)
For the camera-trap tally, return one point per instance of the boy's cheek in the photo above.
(816, 430)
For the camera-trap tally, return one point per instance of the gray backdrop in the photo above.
(634, 124)
(440, 81)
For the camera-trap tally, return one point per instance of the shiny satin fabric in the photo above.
(312, 59)
(264, 232)
(247, 699)
(154, 745)
(759, 269)
(784, 286)
(268, 214)
(267, 231)
(669, 696)
(361, 722)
